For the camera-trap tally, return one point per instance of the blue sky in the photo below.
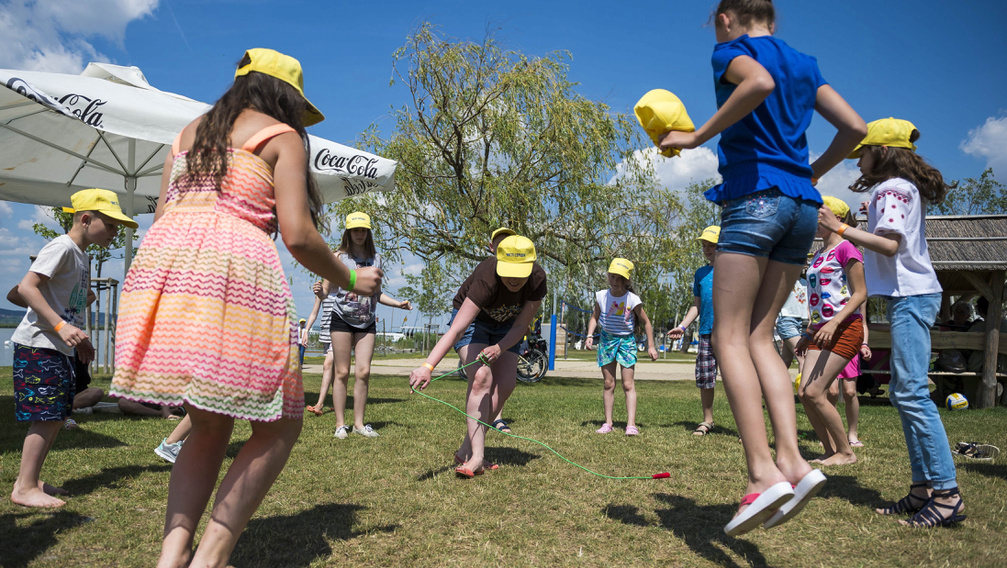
(941, 65)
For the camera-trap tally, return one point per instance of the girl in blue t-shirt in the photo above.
(617, 310)
(767, 93)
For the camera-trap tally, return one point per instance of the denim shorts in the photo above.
(789, 326)
(482, 333)
(769, 224)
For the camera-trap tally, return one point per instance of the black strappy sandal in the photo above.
(908, 504)
(930, 516)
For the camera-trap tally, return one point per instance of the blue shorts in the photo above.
(769, 224)
(789, 326)
(619, 348)
(482, 333)
(43, 384)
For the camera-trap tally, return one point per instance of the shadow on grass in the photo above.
(506, 457)
(700, 527)
(23, 544)
(111, 477)
(310, 396)
(848, 488)
(690, 426)
(984, 468)
(299, 539)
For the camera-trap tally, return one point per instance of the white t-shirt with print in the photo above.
(68, 270)
(828, 284)
(617, 311)
(797, 302)
(896, 206)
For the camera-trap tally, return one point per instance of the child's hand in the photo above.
(827, 219)
(419, 378)
(317, 288)
(865, 352)
(405, 305)
(676, 333)
(490, 353)
(368, 280)
(72, 335)
(676, 139)
(85, 352)
(653, 353)
(825, 333)
(589, 343)
(802, 345)
(863, 206)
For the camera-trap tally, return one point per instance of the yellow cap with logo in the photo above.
(515, 257)
(102, 201)
(358, 220)
(621, 266)
(710, 234)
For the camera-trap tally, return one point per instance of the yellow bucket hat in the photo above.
(660, 111)
(710, 234)
(838, 206)
(358, 220)
(893, 132)
(515, 257)
(285, 68)
(622, 267)
(102, 201)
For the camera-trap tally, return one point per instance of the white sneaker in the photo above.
(85, 410)
(342, 432)
(169, 451)
(366, 431)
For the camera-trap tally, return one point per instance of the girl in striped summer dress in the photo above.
(207, 319)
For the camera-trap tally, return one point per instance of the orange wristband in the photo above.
(59, 326)
(428, 366)
(814, 181)
(842, 229)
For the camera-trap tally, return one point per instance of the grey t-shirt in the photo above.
(69, 273)
(356, 311)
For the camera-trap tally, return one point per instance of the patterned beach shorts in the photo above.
(706, 364)
(621, 348)
(43, 384)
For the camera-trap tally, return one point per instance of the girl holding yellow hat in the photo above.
(618, 309)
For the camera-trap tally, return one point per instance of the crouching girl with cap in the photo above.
(492, 311)
(617, 309)
(352, 327)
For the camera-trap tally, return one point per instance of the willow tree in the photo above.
(494, 138)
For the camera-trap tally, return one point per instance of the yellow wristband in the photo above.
(59, 326)
(842, 229)
(428, 366)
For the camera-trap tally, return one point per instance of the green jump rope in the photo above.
(484, 361)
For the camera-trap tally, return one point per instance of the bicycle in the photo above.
(532, 363)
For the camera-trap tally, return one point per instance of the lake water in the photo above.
(7, 352)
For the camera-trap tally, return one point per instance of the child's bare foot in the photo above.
(35, 497)
(840, 459)
(822, 458)
(51, 490)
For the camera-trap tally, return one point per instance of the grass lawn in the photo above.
(395, 500)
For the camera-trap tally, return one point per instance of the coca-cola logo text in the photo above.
(84, 108)
(357, 164)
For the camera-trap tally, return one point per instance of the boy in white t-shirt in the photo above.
(55, 289)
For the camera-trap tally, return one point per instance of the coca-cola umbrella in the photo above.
(108, 128)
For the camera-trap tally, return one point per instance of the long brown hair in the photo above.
(344, 244)
(903, 163)
(260, 92)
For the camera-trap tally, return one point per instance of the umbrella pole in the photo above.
(130, 190)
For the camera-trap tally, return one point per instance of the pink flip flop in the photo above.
(808, 487)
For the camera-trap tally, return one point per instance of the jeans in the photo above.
(769, 224)
(929, 452)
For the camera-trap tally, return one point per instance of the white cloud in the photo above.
(39, 214)
(989, 141)
(677, 173)
(5, 209)
(837, 183)
(52, 35)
